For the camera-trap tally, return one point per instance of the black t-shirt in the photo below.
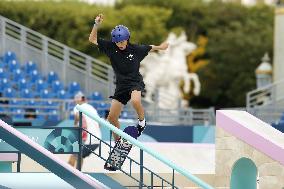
(125, 63)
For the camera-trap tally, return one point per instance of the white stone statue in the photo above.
(163, 72)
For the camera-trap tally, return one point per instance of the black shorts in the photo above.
(87, 149)
(123, 93)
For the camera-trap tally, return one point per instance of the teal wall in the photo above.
(5, 167)
(244, 174)
(203, 134)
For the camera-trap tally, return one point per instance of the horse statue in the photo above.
(163, 73)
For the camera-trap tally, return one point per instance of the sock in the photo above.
(142, 123)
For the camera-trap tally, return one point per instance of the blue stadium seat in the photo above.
(34, 76)
(26, 93)
(2, 65)
(15, 104)
(70, 106)
(4, 83)
(39, 114)
(53, 115)
(74, 87)
(51, 77)
(18, 75)
(9, 93)
(45, 94)
(94, 104)
(9, 56)
(2, 110)
(40, 85)
(29, 67)
(4, 74)
(33, 103)
(102, 108)
(62, 94)
(56, 86)
(124, 115)
(13, 65)
(71, 115)
(23, 84)
(51, 105)
(19, 113)
(96, 96)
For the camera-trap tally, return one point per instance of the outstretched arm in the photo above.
(162, 46)
(94, 33)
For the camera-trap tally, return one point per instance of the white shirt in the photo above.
(92, 126)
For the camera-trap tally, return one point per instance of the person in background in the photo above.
(91, 143)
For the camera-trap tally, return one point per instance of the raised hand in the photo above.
(99, 19)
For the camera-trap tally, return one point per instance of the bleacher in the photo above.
(30, 94)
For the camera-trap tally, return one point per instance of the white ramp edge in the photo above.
(44, 157)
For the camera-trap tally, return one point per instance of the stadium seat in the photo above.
(26, 93)
(40, 114)
(13, 65)
(94, 104)
(18, 75)
(96, 96)
(40, 85)
(29, 67)
(9, 56)
(102, 108)
(9, 93)
(19, 113)
(45, 94)
(74, 87)
(51, 105)
(34, 76)
(15, 104)
(124, 115)
(62, 94)
(71, 115)
(4, 74)
(56, 86)
(22, 84)
(32, 103)
(2, 110)
(51, 77)
(2, 65)
(4, 84)
(53, 115)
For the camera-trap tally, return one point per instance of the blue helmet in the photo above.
(120, 33)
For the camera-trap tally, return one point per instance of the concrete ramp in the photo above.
(36, 152)
(249, 152)
(254, 132)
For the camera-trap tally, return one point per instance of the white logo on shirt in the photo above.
(130, 57)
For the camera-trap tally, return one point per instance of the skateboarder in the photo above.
(125, 59)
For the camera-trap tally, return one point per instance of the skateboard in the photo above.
(120, 150)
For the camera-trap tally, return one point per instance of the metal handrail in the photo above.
(154, 116)
(99, 154)
(140, 145)
(268, 90)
